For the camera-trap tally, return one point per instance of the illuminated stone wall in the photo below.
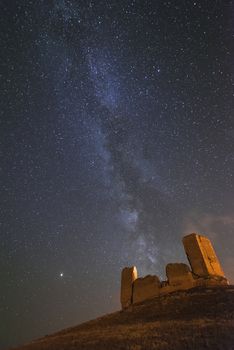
(205, 271)
(129, 275)
(201, 256)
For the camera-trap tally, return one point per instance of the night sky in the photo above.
(117, 138)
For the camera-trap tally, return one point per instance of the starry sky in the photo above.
(117, 138)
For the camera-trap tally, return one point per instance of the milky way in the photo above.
(117, 137)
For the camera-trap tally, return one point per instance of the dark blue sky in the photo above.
(117, 138)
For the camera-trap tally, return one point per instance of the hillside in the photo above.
(196, 319)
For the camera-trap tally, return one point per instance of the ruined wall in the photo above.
(205, 271)
(201, 255)
(129, 275)
(179, 275)
(145, 288)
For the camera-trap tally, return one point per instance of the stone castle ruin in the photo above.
(205, 271)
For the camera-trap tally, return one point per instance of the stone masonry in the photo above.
(179, 274)
(129, 275)
(201, 256)
(205, 271)
(145, 288)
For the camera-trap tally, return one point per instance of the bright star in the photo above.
(61, 274)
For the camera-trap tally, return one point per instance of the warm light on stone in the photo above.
(129, 275)
(206, 272)
(145, 288)
(179, 274)
(201, 256)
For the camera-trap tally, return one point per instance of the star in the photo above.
(117, 132)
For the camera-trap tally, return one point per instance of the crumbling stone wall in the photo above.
(205, 271)
(179, 274)
(145, 288)
(201, 255)
(129, 275)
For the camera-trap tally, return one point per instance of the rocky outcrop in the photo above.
(205, 271)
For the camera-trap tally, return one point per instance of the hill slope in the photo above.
(196, 319)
